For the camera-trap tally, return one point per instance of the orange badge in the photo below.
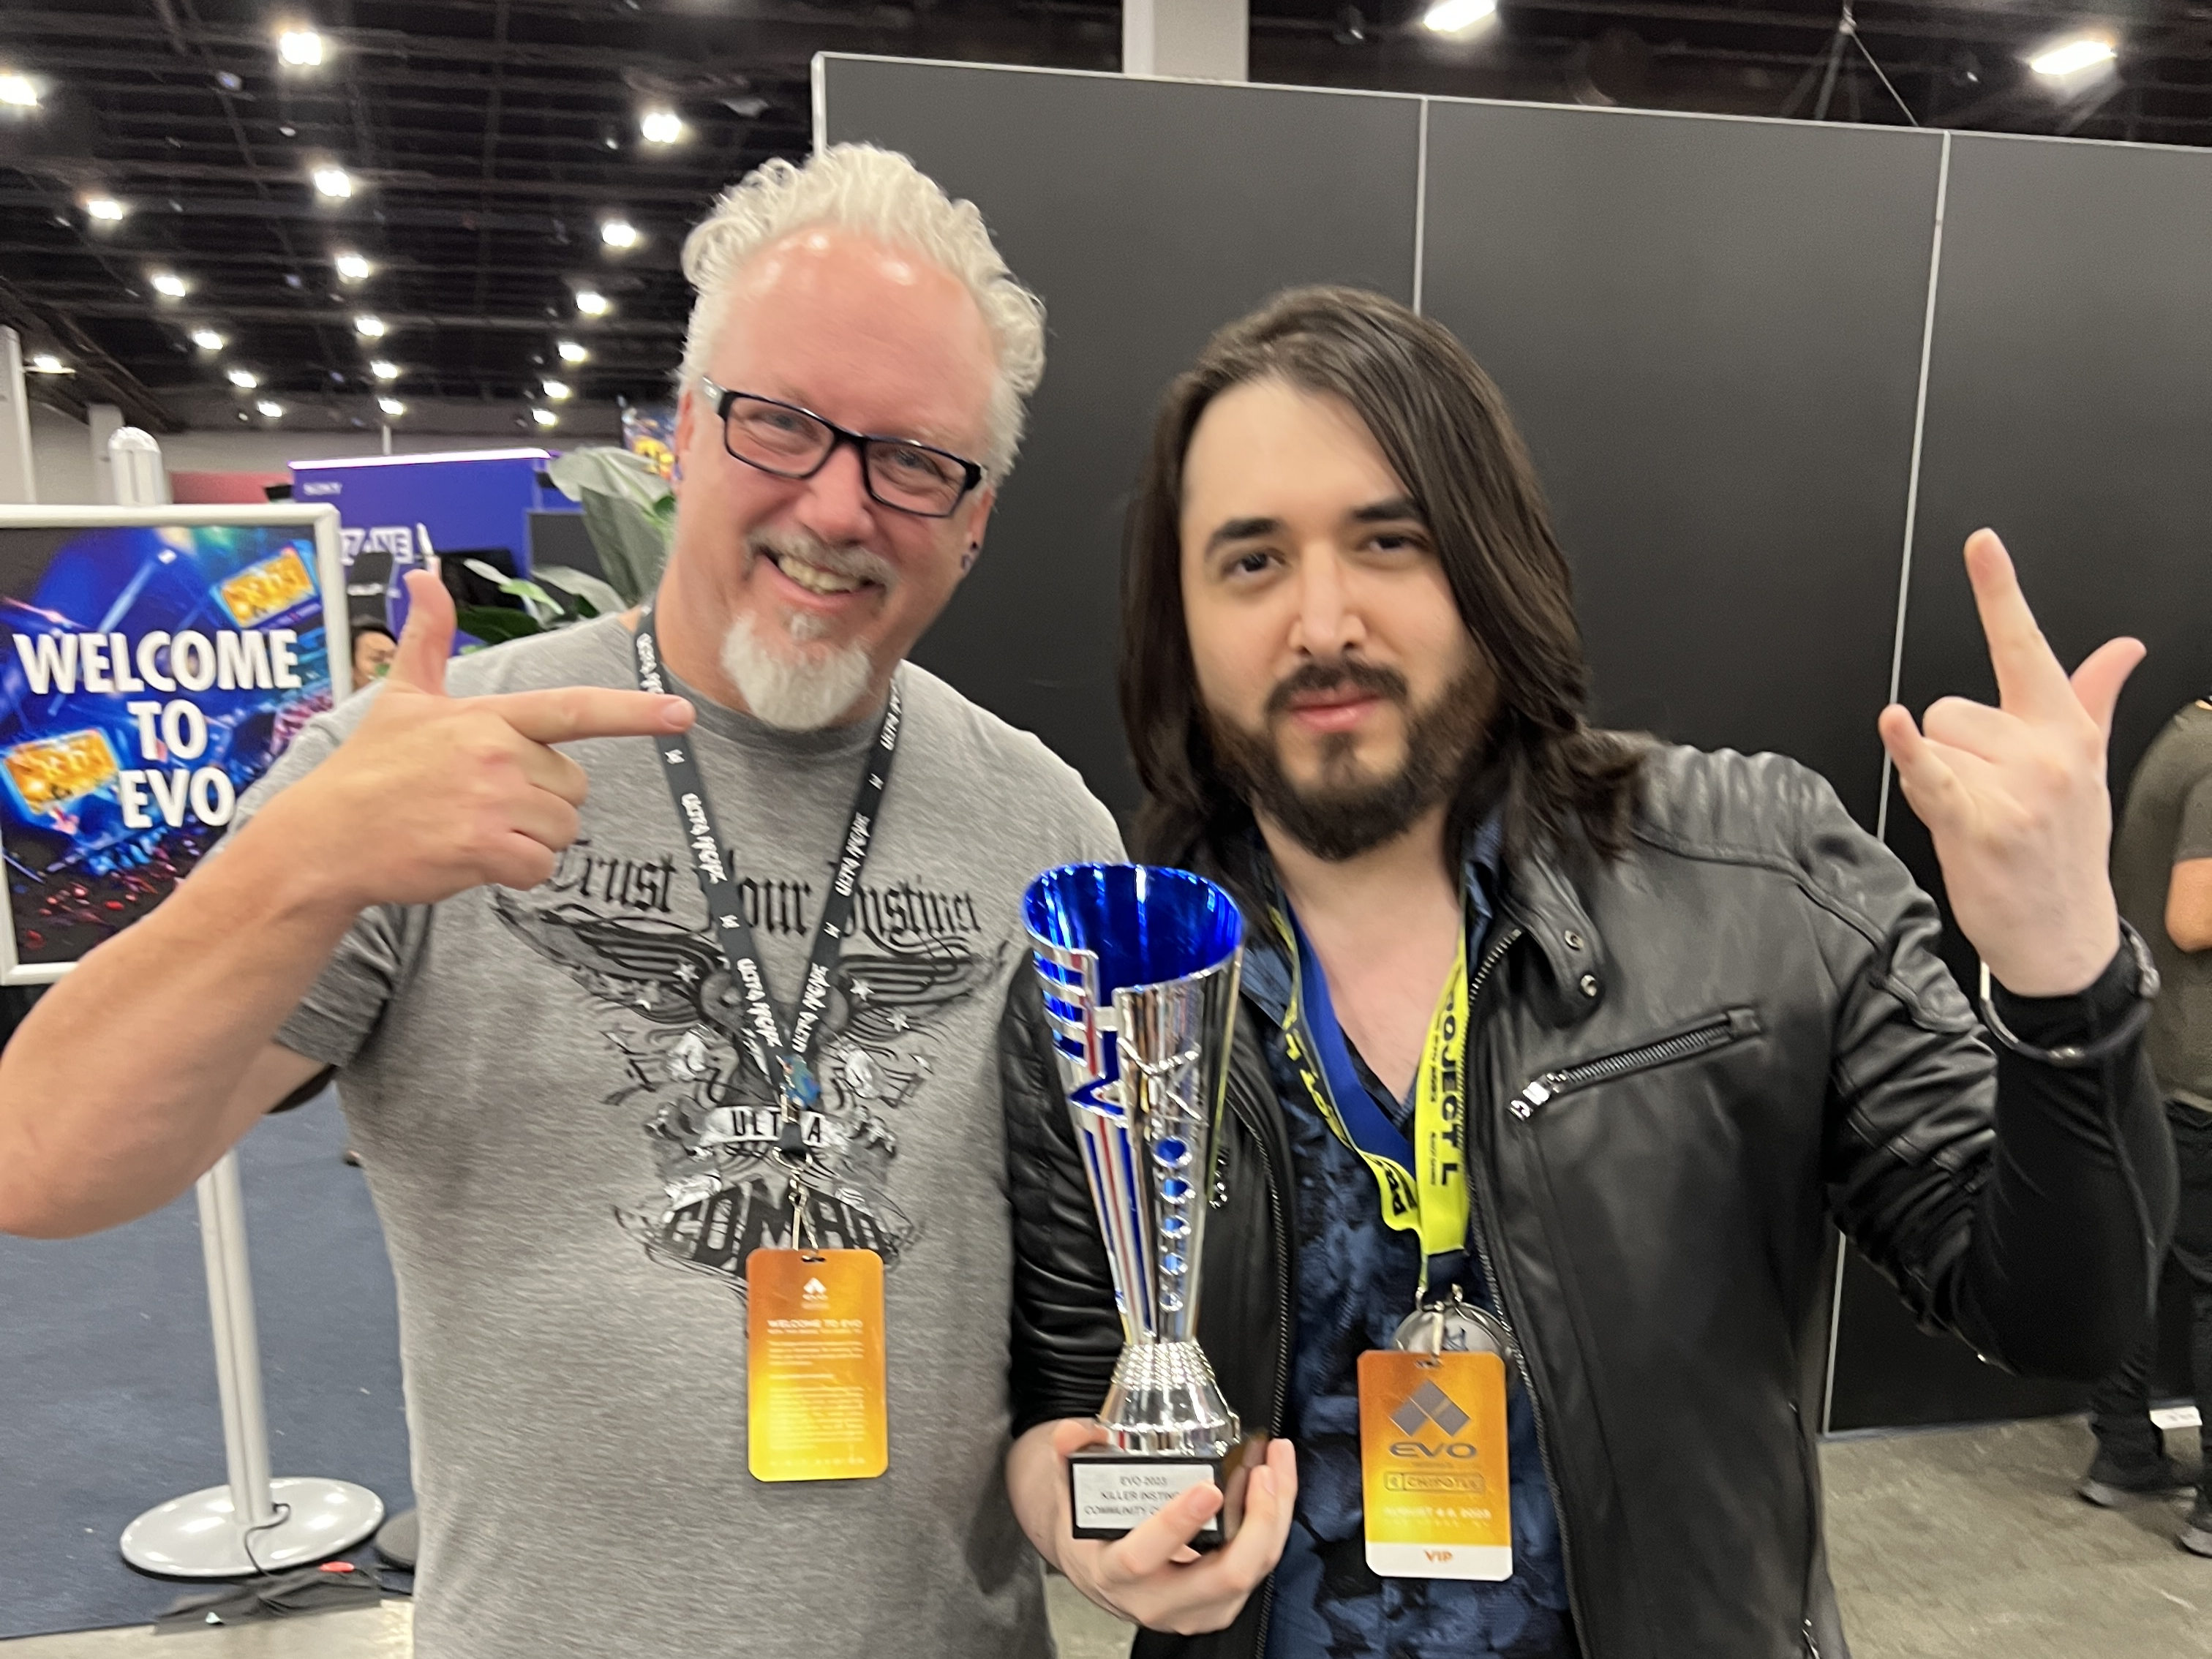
(814, 1328)
(1432, 1465)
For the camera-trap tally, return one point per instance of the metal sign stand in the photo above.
(252, 1524)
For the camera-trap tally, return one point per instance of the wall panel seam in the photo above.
(1897, 655)
(1912, 476)
(1420, 204)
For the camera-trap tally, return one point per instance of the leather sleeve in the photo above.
(2024, 1207)
(1066, 1329)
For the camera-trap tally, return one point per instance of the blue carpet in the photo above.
(107, 1394)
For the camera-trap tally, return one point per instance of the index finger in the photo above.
(2029, 677)
(567, 712)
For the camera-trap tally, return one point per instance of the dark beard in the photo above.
(1346, 815)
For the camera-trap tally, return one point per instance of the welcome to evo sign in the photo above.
(171, 728)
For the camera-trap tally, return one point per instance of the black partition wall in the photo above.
(1771, 373)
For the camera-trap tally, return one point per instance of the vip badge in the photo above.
(1432, 1443)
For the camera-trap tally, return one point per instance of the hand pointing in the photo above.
(2014, 796)
(434, 794)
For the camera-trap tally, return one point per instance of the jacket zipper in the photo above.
(1809, 1474)
(1282, 1325)
(1715, 1033)
(1711, 1033)
(1503, 1291)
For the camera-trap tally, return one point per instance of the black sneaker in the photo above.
(2111, 1482)
(2196, 1534)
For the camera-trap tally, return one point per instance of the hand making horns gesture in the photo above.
(2014, 796)
(434, 794)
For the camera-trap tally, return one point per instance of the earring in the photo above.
(968, 559)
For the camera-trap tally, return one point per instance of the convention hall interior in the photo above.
(345, 305)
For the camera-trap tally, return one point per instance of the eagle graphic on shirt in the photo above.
(709, 1112)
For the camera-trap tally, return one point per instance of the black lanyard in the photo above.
(783, 1064)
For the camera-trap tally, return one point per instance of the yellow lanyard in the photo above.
(1430, 1199)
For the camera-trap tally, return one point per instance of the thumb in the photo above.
(419, 663)
(2097, 681)
(1074, 1433)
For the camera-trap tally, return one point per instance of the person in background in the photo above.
(2163, 874)
(1573, 1043)
(373, 648)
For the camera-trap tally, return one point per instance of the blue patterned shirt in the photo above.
(1355, 1280)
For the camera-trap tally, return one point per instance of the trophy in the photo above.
(1139, 969)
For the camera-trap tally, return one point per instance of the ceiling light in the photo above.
(269, 407)
(385, 369)
(208, 340)
(245, 379)
(591, 303)
(18, 91)
(368, 327)
(545, 417)
(106, 209)
(353, 268)
(45, 362)
(618, 233)
(392, 405)
(661, 126)
(169, 285)
(302, 48)
(1456, 17)
(571, 352)
(557, 390)
(2062, 58)
(333, 182)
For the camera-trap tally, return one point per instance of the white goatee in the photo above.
(802, 685)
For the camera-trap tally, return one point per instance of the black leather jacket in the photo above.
(1684, 1063)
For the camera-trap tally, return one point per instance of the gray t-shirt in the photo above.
(2168, 821)
(541, 1087)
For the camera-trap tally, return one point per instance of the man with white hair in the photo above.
(684, 1024)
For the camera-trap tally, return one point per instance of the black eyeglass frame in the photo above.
(971, 472)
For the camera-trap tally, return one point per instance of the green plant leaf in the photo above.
(495, 624)
(631, 541)
(594, 597)
(610, 471)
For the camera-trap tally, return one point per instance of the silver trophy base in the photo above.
(1164, 1403)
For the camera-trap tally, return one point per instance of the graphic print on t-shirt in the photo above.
(705, 1106)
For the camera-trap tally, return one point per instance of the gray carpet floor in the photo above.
(1958, 1544)
(107, 1389)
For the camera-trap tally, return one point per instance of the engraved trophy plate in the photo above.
(1140, 967)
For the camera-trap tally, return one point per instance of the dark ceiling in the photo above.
(488, 140)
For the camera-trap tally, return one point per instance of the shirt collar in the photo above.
(1268, 969)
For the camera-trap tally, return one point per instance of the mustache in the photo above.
(1337, 674)
(854, 562)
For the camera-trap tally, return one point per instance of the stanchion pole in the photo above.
(237, 1344)
(252, 1523)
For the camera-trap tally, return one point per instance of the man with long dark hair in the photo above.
(1561, 1045)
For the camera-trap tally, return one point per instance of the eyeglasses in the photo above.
(792, 442)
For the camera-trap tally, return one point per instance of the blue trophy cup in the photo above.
(1140, 967)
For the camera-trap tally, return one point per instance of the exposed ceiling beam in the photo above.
(342, 317)
(96, 370)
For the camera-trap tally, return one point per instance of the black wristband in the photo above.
(2074, 1056)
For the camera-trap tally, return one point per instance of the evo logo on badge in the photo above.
(813, 1290)
(1430, 1404)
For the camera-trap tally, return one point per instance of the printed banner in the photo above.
(649, 429)
(149, 675)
